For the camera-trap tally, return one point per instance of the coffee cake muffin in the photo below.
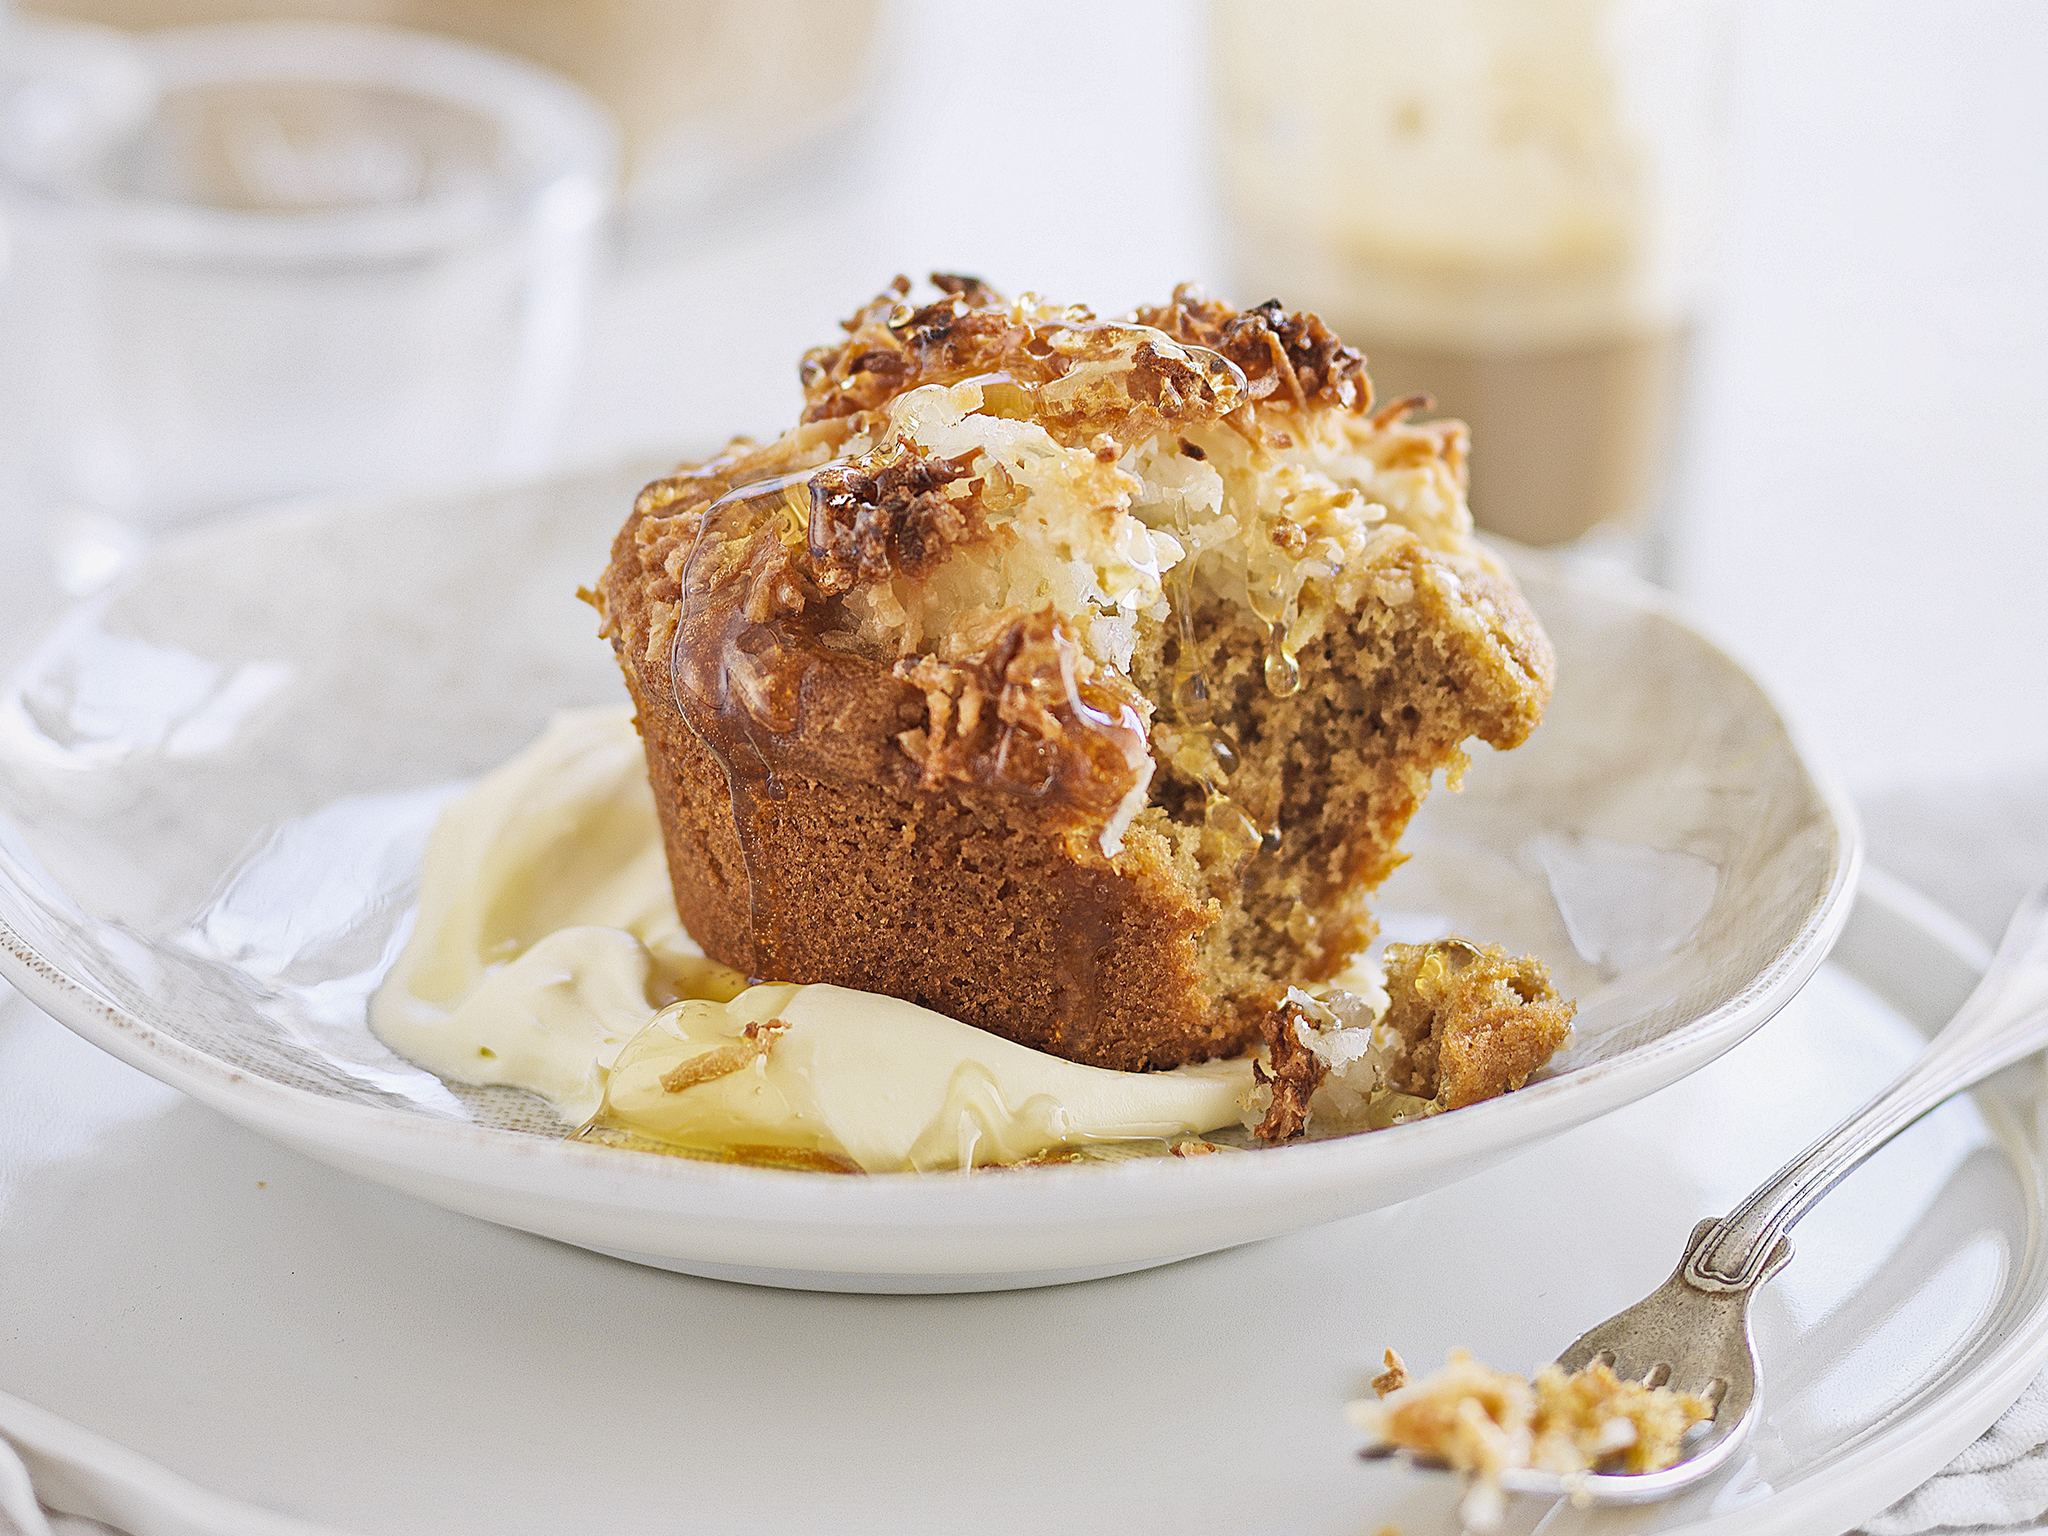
(1075, 678)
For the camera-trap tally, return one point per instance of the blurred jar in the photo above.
(686, 79)
(246, 262)
(1508, 205)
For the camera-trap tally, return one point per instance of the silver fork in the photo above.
(1692, 1332)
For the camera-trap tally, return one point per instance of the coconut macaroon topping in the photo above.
(1167, 587)
(999, 496)
(1105, 466)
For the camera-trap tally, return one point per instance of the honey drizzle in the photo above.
(738, 681)
(1283, 672)
(1272, 597)
(1201, 749)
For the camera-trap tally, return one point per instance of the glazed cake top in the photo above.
(988, 505)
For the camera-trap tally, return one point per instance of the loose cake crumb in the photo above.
(1487, 1422)
(1393, 1378)
(724, 1060)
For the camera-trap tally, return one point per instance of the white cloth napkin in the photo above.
(57, 1479)
(1976, 848)
(1999, 1483)
(21, 1514)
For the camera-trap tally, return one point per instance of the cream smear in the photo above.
(546, 955)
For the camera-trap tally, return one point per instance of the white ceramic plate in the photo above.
(216, 780)
(281, 1333)
(1916, 1306)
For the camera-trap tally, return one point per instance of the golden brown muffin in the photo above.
(1074, 678)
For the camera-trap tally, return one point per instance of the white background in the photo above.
(1865, 484)
(1864, 503)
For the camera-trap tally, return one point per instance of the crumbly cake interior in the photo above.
(1073, 677)
(1471, 1022)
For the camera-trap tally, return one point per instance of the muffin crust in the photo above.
(1073, 678)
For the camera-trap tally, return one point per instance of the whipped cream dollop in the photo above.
(546, 955)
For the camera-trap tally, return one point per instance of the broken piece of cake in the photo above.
(1455, 1023)
(1076, 678)
(1474, 1419)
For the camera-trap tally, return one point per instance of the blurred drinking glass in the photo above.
(1508, 205)
(244, 262)
(711, 96)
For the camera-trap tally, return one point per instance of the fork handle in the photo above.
(2005, 1020)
